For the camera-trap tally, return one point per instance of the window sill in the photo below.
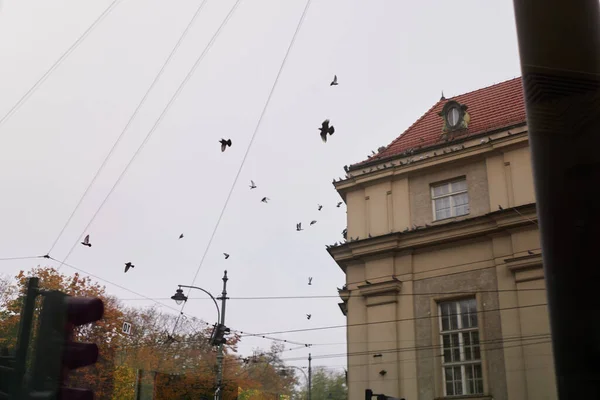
(450, 219)
(467, 397)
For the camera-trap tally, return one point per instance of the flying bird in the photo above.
(500, 207)
(181, 236)
(319, 207)
(225, 143)
(128, 265)
(334, 82)
(252, 185)
(265, 199)
(310, 280)
(530, 252)
(313, 222)
(339, 204)
(325, 129)
(308, 316)
(367, 282)
(86, 241)
(226, 255)
(299, 226)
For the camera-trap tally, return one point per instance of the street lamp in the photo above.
(179, 298)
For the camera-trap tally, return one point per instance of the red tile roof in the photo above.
(490, 108)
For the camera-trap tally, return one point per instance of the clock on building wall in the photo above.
(455, 116)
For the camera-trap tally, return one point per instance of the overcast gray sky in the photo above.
(392, 57)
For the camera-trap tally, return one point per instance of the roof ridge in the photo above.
(484, 88)
(484, 106)
(413, 124)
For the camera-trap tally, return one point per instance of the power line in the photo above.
(20, 258)
(45, 76)
(252, 138)
(510, 339)
(128, 124)
(261, 336)
(391, 320)
(156, 124)
(310, 297)
(439, 356)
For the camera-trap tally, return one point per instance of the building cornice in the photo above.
(452, 231)
(400, 166)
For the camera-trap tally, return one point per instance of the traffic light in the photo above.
(55, 352)
(369, 395)
(218, 335)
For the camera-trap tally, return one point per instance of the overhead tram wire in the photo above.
(321, 328)
(128, 124)
(20, 258)
(168, 306)
(153, 129)
(252, 138)
(73, 46)
(457, 292)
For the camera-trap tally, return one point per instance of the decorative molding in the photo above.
(526, 268)
(453, 231)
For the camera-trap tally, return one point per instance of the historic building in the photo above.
(445, 294)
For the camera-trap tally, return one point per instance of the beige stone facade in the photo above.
(446, 304)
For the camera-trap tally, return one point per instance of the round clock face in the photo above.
(453, 117)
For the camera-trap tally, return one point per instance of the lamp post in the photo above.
(301, 370)
(179, 298)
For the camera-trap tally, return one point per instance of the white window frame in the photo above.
(462, 363)
(450, 195)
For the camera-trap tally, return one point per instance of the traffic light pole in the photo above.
(24, 335)
(309, 377)
(223, 298)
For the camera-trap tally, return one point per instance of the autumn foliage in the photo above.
(154, 361)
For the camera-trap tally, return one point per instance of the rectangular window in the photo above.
(450, 199)
(461, 354)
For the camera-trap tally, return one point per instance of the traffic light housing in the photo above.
(218, 335)
(55, 352)
(369, 395)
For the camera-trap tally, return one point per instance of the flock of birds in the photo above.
(325, 130)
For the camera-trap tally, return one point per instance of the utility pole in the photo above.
(223, 298)
(309, 377)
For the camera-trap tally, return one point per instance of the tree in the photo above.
(264, 375)
(105, 333)
(326, 382)
(165, 355)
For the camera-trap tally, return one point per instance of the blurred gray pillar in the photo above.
(559, 44)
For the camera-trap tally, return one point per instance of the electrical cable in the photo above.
(252, 138)
(45, 76)
(153, 129)
(391, 320)
(20, 258)
(396, 350)
(173, 308)
(129, 121)
(460, 292)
